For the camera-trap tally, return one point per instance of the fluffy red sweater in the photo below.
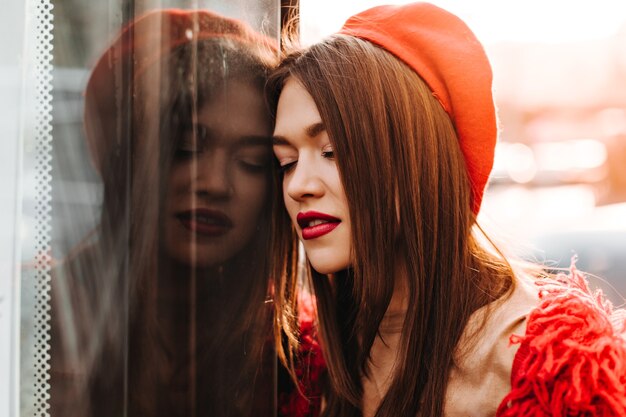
(572, 359)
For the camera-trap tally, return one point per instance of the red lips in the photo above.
(322, 224)
(205, 222)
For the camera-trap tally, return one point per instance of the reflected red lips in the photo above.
(205, 222)
(315, 224)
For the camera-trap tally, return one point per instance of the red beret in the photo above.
(440, 47)
(142, 43)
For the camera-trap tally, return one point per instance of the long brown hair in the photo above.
(228, 360)
(409, 195)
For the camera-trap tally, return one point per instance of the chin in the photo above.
(200, 258)
(327, 259)
(327, 268)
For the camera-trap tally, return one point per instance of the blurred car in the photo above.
(599, 242)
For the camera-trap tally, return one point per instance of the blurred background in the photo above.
(558, 188)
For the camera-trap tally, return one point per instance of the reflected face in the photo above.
(313, 193)
(219, 181)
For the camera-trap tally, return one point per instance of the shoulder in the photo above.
(480, 376)
(572, 356)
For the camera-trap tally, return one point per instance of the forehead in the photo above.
(237, 109)
(296, 110)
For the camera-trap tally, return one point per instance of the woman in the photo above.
(385, 135)
(163, 311)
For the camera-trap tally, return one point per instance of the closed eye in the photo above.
(285, 154)
(194, 140)
(284, 168)
(253, 166)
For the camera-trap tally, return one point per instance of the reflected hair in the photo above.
(180, 84)
(112, 277)
(409, 195)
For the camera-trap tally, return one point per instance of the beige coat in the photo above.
(483, 375)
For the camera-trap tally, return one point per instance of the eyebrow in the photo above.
(253, 140)
(280, 141)
(311, 131)
(315, 129)
(243, 141)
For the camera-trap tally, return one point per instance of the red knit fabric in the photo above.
(572, 359)
(309, 368)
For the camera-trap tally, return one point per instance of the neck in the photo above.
(187, 299)
(180, 283)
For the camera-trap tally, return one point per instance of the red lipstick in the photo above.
(315, 224)
(205, 222)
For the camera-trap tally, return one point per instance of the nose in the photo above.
(212, 177)
(303, 182)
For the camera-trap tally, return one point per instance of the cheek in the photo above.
(252, 193)
(179, 178)
(334, 181)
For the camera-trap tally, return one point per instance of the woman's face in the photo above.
(312, 189)
(219, 179)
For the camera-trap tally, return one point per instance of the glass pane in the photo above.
(12, 33)
(144, 280)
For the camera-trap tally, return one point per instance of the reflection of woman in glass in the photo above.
(385, 136)
(163, 311)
